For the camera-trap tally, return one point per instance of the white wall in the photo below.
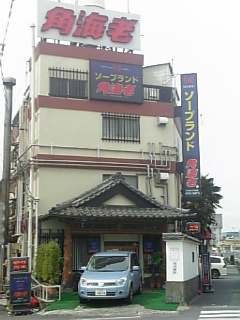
(179, 257)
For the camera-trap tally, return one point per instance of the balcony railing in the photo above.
(157, 93)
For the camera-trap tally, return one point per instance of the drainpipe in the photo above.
(8, 83)
(36, 231)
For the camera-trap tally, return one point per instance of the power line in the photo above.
(7, 25)
(5, 37)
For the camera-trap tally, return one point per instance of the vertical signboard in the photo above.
(20, 284)
(190, 137)
(20, 288)
(206, 272)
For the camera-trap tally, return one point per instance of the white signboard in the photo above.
(174, 254)
(88, 25)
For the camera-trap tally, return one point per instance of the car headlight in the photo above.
(83, 282)
(121, 281)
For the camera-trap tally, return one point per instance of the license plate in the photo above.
(100, 292)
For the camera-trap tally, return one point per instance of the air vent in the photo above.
(162, 121)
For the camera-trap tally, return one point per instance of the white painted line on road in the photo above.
(112, 318)
(220, 311)
(220, 317)
(220, 314)
(229, 315)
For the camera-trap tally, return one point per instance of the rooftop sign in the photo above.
(88, 25)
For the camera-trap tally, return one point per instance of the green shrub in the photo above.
(48, 266)
(39, 261)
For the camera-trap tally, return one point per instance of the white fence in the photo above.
(46, 293)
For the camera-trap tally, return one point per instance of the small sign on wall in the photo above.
(93, 246)
(174, 254)
(193, 227)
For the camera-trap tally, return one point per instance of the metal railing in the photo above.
(46, 293)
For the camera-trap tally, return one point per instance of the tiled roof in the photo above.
(179, 236)
(118, 212)
(79, 206)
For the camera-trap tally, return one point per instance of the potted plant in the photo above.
(156, 270)
(48, 266)
(51, 263)
(39, 261)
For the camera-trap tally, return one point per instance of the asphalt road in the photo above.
(223, 303)
(226, 291)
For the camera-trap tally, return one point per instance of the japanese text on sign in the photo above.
(20, 288)
(191, 157)
(193, 226)
(115, 81)
(81, 24)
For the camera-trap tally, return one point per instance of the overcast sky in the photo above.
(196, 37)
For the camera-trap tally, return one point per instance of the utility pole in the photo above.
(4, 195)
(5, 183)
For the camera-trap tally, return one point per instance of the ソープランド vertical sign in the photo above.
(190, 138)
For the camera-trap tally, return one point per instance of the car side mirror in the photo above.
(83, 269)
(135, 268)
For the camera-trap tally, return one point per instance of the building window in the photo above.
(120, 127)
(157, 93)
(68, 83)
(193, 257)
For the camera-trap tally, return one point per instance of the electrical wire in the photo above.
(5, 37)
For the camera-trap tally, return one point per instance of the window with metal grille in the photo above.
(157, 93)
(68, 83)
(120, 127)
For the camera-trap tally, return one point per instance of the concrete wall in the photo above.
(182, 292)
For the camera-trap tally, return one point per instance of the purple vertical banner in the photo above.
(190, 137)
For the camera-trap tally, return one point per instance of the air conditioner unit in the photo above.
(162, 121)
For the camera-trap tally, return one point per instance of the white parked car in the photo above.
(218, 267)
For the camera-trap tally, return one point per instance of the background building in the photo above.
(217, 234)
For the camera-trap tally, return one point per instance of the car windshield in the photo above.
(108, 263)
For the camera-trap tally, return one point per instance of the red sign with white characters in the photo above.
(88, 25)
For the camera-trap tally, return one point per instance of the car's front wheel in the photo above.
(215, 274)
(129, 298)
